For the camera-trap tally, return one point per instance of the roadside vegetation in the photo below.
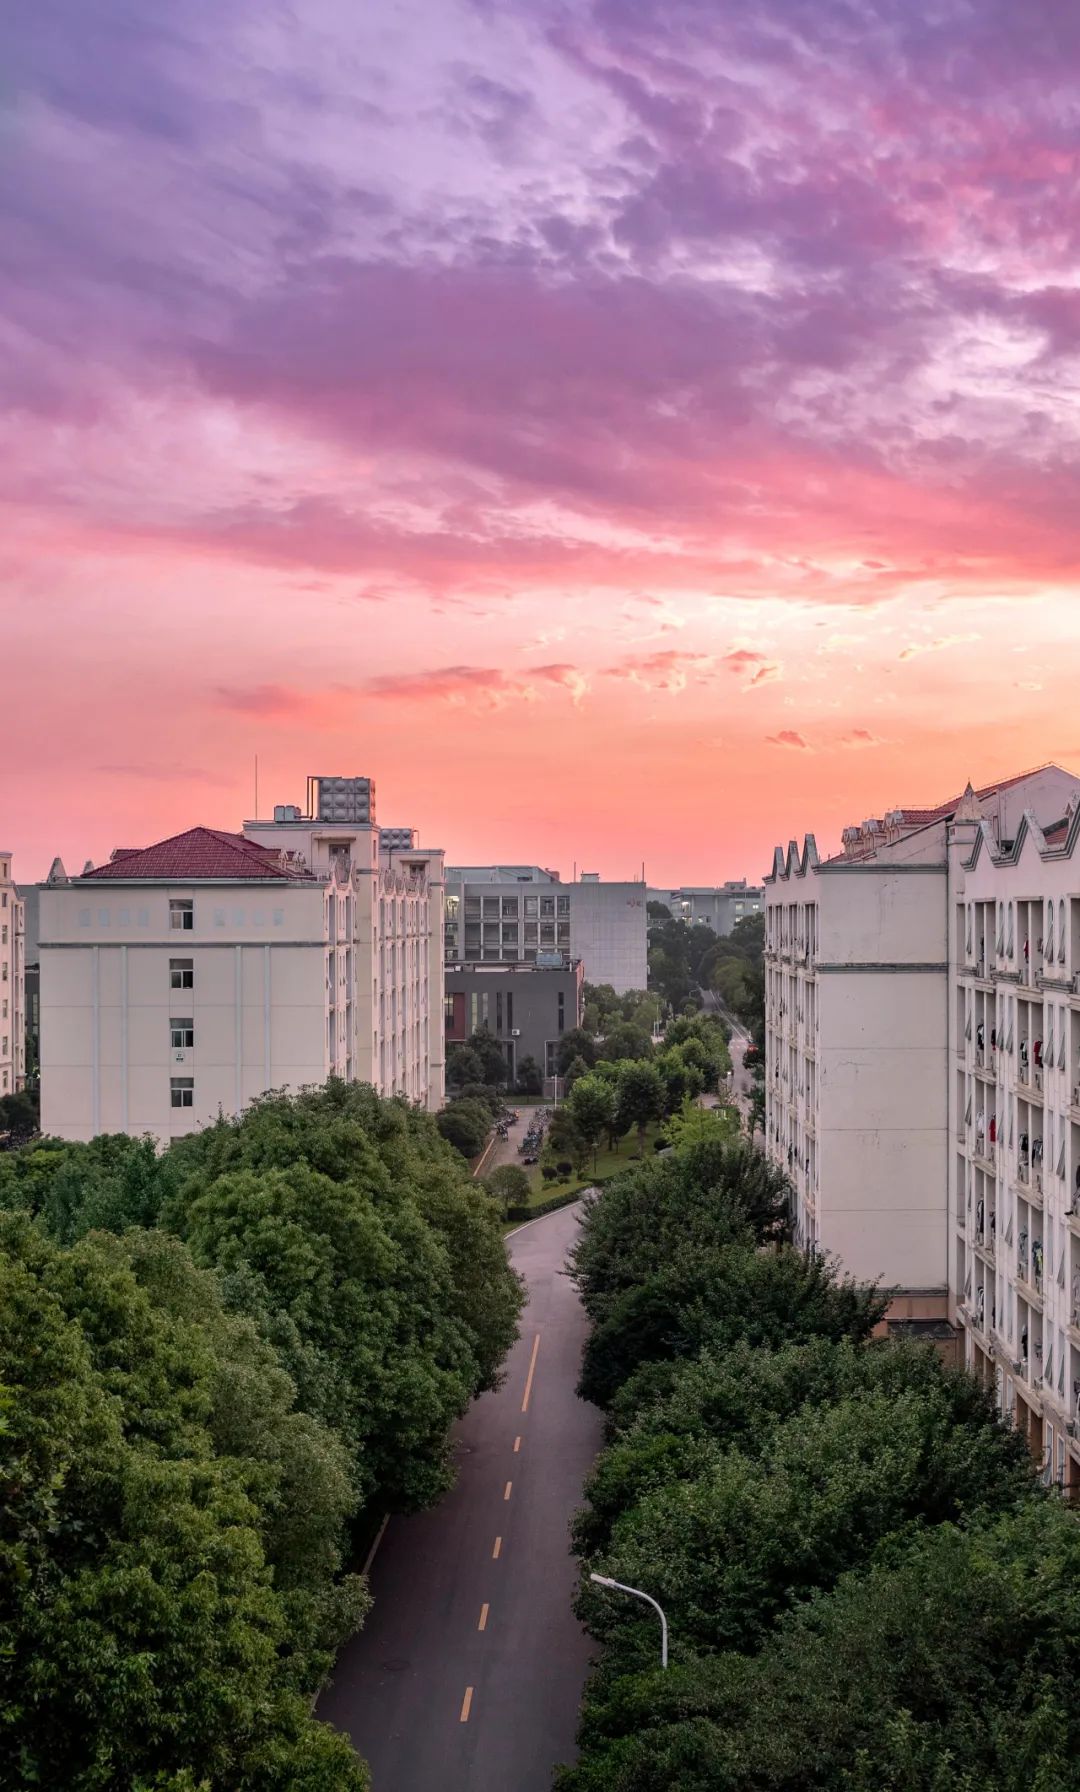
(866, 1585)
(216, 1364)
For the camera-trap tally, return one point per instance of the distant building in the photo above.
(508, 914)
(528, 1007)
(193, 975)
(12, 983)
(29, 895)
(719, 906)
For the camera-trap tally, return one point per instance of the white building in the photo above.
(1014, 1158)
(719, 906)
(12, 983)
(859, 1005)
(192, 976)
(523, 913)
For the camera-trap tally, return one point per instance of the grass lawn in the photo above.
(608, 1163)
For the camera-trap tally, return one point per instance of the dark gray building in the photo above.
(528, 1007)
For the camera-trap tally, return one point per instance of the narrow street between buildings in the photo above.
(468, 1674)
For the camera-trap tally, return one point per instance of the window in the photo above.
(532, 905)
(181, 1034)
(562, 1012)
(448, 1010)
(182, 1091)
(181, 915)
(84, 917)
(491, 907)
(3, 934)
(547, 907)
(509, 905)
(181, 973)
(510, 1009)
(498, 1011)
(547, 933)
(562, 904)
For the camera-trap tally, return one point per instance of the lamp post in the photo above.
(604, 1580)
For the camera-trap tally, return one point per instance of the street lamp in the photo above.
(604, 1580)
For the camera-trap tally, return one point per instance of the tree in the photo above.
(494, 1067)
(465, 1125)
(702, 1298)
(20, 1114)
(625, 1040)
(463, 1065)
(144, 1633)
(941, 1667)
(676, 1426)
(574, 1071)
(510, 1186)
(592, 1106)
(575, 1043)
(708, 1192)
(530, 1078)
(682, 1081)
(639, 1098)
(564, 1139)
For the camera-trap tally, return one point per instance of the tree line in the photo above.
(215, 1363)
(866, 1584)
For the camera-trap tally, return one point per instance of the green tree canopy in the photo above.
(145, 1631)
(575, 1043)
(463, 1066)
(530, 1077)
(465, 1125)
(946, 1666)
(711, 1297)
(592, 1107)
(639, 1097)
(509, 1184)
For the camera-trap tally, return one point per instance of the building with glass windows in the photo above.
(923, 1077)
(528, 1007)
(510, 914)
(187, 978)
(12, 983)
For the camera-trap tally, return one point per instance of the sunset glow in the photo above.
(630, 432)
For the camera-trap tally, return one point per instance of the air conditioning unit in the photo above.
(179, 1054)
(515, 1032)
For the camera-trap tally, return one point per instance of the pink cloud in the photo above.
(789, 737)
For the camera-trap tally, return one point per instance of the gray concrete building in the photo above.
(517, 914)
(528, 1007)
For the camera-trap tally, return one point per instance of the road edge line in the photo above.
(525, 1224)
(370, 1557)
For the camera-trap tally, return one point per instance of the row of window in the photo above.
(493, 908)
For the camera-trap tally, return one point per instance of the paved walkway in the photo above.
(468, 1674)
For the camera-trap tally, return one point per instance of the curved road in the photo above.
(468, 1674)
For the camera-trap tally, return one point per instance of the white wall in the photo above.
(106, 1002)
(609, 933)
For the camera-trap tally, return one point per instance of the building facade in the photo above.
(510, 914)
(719, 906)
(528, 1007)
(190, 977)
(923, 1075)
(12, 983)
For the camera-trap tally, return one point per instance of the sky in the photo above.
(630, 431)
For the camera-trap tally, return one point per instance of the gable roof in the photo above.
(200, 854)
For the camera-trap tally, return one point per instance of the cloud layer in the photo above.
(449, 361)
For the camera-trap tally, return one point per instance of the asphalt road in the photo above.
(468, 1674)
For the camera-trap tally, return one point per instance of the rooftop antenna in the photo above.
(256, 787)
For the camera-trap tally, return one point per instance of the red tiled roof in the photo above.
(200, 853)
